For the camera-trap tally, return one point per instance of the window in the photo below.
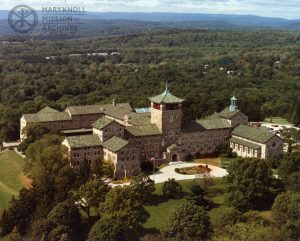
(274, 144)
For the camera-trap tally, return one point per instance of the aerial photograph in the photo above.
(149, 120)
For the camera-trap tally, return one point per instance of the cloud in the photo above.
(270, 8)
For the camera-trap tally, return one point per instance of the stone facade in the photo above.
(126, 161)
(127, 138)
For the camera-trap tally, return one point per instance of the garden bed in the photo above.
(193, 170)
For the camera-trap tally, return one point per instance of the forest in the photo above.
(204, 67)
(261, 68)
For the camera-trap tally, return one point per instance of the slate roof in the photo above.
(48, 114)
(84, 141)
(166, 97)
(76, 131)
(217, 123)
(227, 114)
(83, 110)
(102, 122)
(48, 109)
(139, 119)
(118, 111)
(146, 130)
(115, 144)
(245, 143)
(46, 117)
(191, 126)
(254, 134)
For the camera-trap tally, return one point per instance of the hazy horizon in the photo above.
(289, 9)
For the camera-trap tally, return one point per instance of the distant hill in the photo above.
(146, 21)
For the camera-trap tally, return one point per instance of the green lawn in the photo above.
(210, 161)
(159, 213)
(225, 161)
(11, 177)
(277, 120)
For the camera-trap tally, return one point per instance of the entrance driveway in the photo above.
(169, 172)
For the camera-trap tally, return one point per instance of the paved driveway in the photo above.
(169, 172)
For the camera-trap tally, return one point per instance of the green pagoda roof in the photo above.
(245, 143)
(84, 141)
(146, 130)
(115, 144)
(254, 134)
(102, 122)
(166, 98)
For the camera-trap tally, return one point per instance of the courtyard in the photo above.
(169, 172)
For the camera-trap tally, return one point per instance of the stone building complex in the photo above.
(125, 136)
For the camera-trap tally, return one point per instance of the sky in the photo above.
(289, 9)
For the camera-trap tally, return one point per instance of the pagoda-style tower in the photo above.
(166, 112)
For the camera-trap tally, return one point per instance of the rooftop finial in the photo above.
(167, 89)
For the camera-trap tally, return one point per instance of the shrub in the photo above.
(172, 189)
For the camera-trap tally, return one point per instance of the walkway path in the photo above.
(19, 153)
(169, 172)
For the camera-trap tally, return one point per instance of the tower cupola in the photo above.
(233, 106)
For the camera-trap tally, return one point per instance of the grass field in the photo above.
(210, 161)
(159, 213)
(11, 177)
(277, 120)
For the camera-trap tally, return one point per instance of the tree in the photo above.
(291, 136)
(292, 182)
(172, 189)
(250, 184)
(142, 186)
(84, 173)
(49, 167)
(33, 132)
(286, 208)
(92, 193)
(228, 216)
(289, 164)
(153, 237)
(108, 169)
(188, 222)
(121, 203)
(60, 233)
(106, 229)
(247, 232)
(65, 214)
(40, 229)
(196, 196)
(291, 231)
(13, 236)
(20, 213)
